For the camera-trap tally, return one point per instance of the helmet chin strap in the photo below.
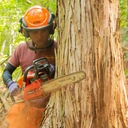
(38, 49)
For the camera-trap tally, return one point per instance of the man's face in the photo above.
(40, 37)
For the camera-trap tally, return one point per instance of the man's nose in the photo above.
(39, 34)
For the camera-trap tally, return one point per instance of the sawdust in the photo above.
(26, 116)
(22, 115)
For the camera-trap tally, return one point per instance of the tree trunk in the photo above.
(89, 40)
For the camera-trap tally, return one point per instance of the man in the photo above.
(36, 25)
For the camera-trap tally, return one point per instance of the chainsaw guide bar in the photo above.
(63, 81)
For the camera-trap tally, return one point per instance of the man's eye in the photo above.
(33, 32)
(44, 29)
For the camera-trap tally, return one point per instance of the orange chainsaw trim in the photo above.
(22, 115)
(33, 90)
(20, 81)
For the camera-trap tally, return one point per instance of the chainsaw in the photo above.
(37, 80)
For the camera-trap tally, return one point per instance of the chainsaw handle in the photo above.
(26, 72)
(41, 60)
(36, 66)
(37, 63)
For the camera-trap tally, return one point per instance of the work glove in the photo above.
(51, 71)
(13, 88)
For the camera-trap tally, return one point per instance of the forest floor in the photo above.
(5, 104)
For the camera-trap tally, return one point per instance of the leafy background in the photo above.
(124, 31)
(12, 10)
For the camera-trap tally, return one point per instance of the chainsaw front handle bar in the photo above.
(26, 73)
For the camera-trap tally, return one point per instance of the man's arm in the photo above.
(7, 79)
(7, 74)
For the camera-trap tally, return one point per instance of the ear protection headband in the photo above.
(24, 29)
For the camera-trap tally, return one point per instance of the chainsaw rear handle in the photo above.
(37, 66)
(41, 60)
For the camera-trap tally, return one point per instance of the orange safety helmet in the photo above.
(36, 18)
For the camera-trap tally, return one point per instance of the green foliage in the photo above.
(123, 13)
(124, 20)
(124, 30)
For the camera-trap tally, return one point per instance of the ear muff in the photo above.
(21, 29)
(25, 30)
(53, 24)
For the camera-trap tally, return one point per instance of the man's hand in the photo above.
(13, 88)
(52, 71)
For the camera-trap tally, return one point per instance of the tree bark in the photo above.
(89, 40)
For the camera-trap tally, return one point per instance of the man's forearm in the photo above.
(7, 74)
